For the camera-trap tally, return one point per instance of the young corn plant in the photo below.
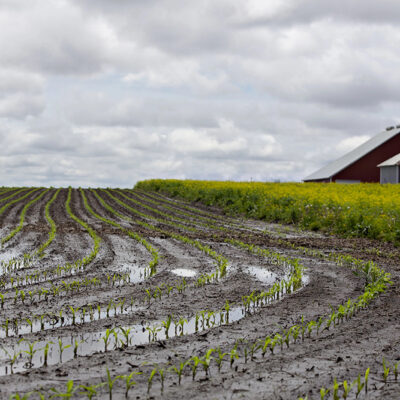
(62, 348)
(194, 363)
(90, 391)
(126, 332)
(129, 382)
(179, 371)
(110, 383)
(68, 394)
(386, 370)
(150, 379)
(106, 338)
(46, 349)
(206, 361)
(31, 352)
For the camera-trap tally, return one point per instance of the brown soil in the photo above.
(342, 352)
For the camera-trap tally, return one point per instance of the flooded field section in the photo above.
(111, 293)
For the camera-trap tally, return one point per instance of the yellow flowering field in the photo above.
(362, 210)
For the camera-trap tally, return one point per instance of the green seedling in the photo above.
(62, 348)
(195, 361)
(395, 370)
(220, 358)
(233, 356)
(386, 370)
(126, 333)
(206, 361)
(346, 389)
(68, 394)
(31, 352)
(360, 385)
(12, 359)
(76, 346)
(265, 345)
(18, 396)
(129, 382)
(106, 338)
(167, 324)
(150, 379)
(179, 371)
(366, 380)
(181, 324)
(30, 323)
(335, 390)
(323, 393)
(161, 371)
(153, 332)
(90, 391)
(110, 383)
(46, 352)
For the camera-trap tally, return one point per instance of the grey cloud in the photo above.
(111, 94)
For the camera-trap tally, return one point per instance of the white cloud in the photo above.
(110, 94)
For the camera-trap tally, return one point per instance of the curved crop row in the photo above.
(153, 263)
(92, 233)
(22, 217)
(53, 227)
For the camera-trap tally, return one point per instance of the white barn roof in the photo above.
(341, 163)
(392, 161)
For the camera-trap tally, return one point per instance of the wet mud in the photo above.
(78, 348)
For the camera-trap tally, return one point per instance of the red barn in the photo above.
(361, 164)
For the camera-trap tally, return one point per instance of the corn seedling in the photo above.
(323, 393)
(126, 333)
(46, 352)
(90, 391)
(194, 364)
(179, 371)
(31, 351)
(167, 324)
(206, 361)
(106, 338)
(360, 385)
(150, 379)
(233, 355)
(62, 348)
(386, 370)
(129, 382)
(110, 382)
(220, 358)
(68, 394)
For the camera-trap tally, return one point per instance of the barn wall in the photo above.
(366, 169)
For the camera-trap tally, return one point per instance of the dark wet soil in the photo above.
(342, 352)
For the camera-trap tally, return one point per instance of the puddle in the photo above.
(186, 273)
(49, 322)
(25, 355)
(262, 274)
(136, 274)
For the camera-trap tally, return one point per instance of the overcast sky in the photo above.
(106, 93)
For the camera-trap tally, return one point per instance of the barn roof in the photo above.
(392, 161)
(341, 163)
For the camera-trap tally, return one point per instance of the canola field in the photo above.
(361, 210)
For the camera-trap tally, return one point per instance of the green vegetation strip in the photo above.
(92, 233)
(13, 194)
(143, 215)
(22, 217)
(53, 227)
(209, 222)
(154, 262)
(2, 209)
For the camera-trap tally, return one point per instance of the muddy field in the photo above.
(118, 266)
